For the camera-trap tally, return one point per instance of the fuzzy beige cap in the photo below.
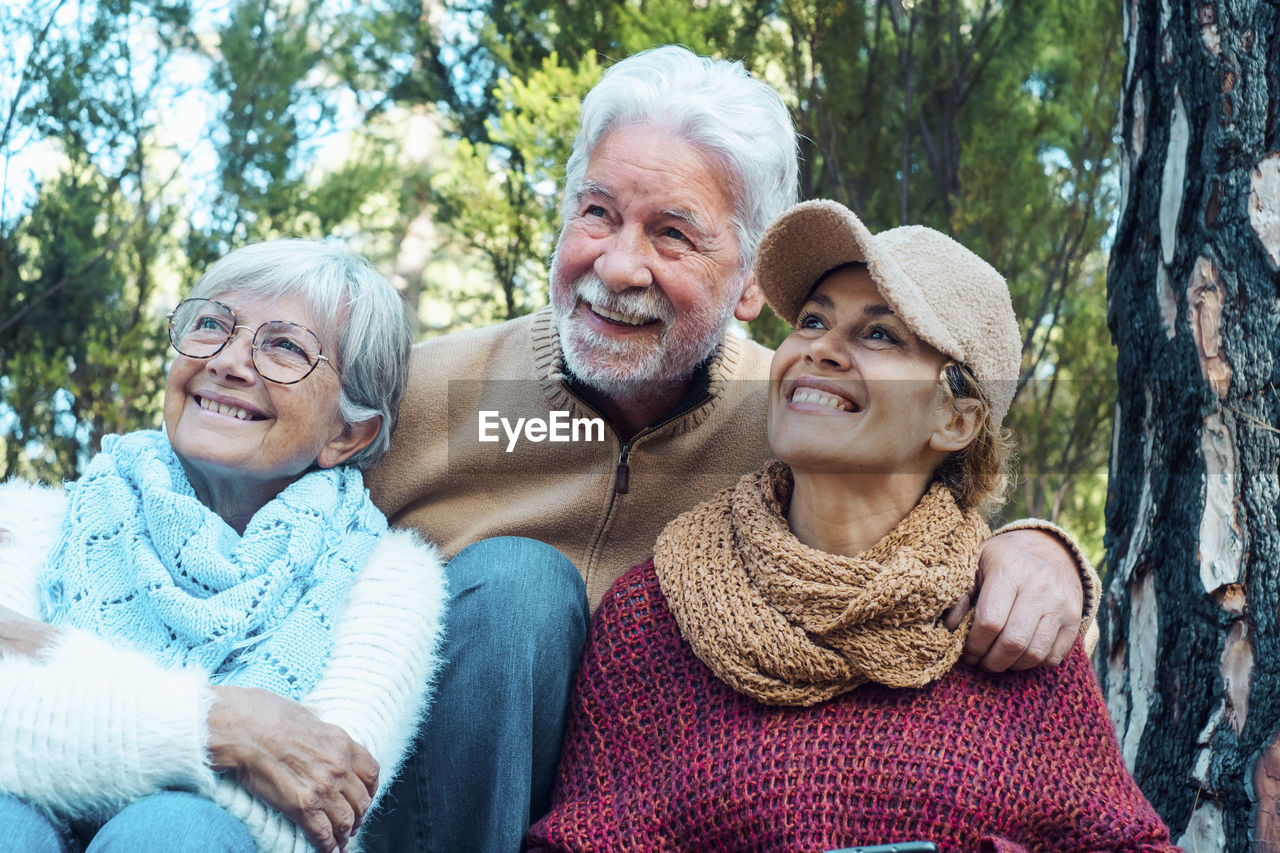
(945, 293)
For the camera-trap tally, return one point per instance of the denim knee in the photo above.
(173, 822)
(531, 588)
(26, 828)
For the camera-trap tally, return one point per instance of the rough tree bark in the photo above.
(1190, 653)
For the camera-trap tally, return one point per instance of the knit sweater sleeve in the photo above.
(376, 685)
(1069, 789)
(86, 728)
(30, 517)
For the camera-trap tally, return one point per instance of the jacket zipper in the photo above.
(622, 478)
(622, 474)
(622, 481)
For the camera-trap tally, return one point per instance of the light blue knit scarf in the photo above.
(140, 559)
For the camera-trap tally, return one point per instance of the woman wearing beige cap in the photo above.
(779, 676)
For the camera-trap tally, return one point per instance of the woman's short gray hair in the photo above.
(354, 305)
(714, 104)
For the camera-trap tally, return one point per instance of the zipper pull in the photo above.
(622, 481)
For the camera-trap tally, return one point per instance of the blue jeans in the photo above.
(25, 828)
(168, 822)
(485, 760)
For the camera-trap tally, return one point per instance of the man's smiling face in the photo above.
(647, 271)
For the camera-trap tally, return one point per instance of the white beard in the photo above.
(621, 369)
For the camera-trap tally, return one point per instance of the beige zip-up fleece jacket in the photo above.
(601, 503)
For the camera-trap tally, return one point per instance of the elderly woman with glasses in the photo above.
(212, 641)
(780, 675)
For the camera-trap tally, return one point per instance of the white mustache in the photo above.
(636, 302)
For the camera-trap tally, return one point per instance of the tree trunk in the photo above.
(1190, 652)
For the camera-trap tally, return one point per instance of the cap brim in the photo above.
(803, 244)
(815, 237)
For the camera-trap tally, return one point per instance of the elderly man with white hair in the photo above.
(680, 164)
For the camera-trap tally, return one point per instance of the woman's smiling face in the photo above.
(853, 390)
(226, 422)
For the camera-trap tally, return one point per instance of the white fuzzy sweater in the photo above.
(89, 728)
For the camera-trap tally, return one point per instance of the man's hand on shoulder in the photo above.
(1029, 602)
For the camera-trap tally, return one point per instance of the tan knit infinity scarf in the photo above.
(790, 625)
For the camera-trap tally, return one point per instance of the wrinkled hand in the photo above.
(282, 753)
(21, 635)
(1030, 601)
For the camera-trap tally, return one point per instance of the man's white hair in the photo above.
(718, 107)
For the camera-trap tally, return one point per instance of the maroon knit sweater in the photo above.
(661, 755)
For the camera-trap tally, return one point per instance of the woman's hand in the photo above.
(282, 753)
(24, 636)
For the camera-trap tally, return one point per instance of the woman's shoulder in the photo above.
(634, 627)
(23, 503)
(636, 589)
(1056, 705)
(634, 605)
(1075, 673)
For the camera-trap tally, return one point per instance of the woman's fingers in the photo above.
(22, 635)
(318, 825)
(343, 775)
(324, 804)
(365, 766)
(310, 771)
(358, 790)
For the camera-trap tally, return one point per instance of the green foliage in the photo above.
(100, 232)
(283, 69)
(1063, 418)
(79, 349)
(501, 196)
